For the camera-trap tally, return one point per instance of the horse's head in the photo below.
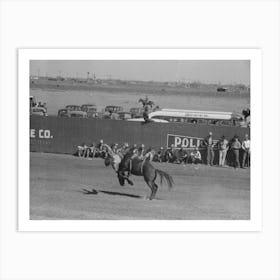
(108, 161)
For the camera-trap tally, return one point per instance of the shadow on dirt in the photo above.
(94, 192)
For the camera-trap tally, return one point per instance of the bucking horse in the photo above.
(124, 165)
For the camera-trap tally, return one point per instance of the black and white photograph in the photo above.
(140, 139)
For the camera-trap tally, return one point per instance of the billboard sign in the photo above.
(185, 142)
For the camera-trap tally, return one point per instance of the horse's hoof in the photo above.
(131, 183)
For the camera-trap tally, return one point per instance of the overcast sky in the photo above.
(223, 71)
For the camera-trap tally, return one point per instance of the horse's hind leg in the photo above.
(150, 178)
(153, 188)
(154, 191)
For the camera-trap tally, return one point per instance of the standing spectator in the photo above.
(236, 146)
(209, 143)
(195, 156)
(223, 148)
(246, 147)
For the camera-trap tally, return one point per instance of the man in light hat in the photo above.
(246, 147)
(223, 148)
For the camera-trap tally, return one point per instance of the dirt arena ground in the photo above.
(200, 192)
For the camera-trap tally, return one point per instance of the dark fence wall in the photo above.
(62, 135)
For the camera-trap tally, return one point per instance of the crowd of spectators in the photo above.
(234, 152)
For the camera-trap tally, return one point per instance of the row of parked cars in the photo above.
(90, 111)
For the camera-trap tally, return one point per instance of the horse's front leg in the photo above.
(129, 181)
(122, 177)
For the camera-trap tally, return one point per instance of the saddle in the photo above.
(130, 164)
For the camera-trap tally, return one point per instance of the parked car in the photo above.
(113, 109)
(77, 114)
(99, 115)
(124, 115)
(73, 108)
(136, 112)
(91, 112)
(86, 107)
(111, 116)
(63, 113)
(40, 111)
(75, 111)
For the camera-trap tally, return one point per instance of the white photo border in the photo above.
(24, 222)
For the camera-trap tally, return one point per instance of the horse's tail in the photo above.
(168, 178)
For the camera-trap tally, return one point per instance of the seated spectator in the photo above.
(81, 150)
(159, 156)
(195, 156)
(181, 156)
(114, 147)
(120, 149)
(92, 150)
(170, 154)
(124, 149)
(101, 150)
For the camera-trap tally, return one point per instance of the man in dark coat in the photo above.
(209, 143)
